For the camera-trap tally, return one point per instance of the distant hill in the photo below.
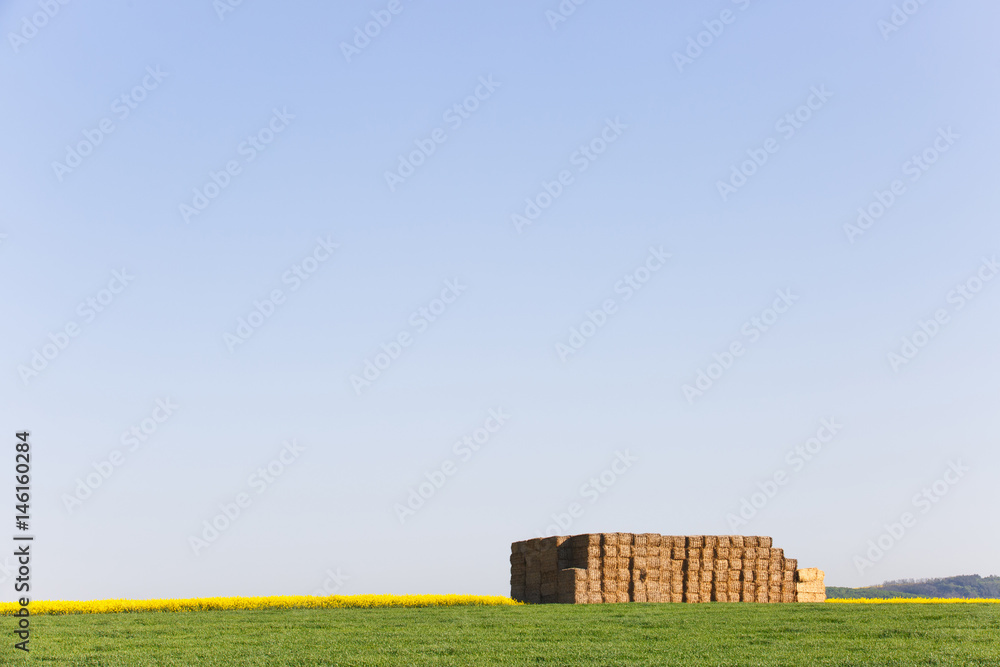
(965, 586)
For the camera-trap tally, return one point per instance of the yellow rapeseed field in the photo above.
(912, 600)
(254, 603)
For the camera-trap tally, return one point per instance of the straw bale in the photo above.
(625, 550)
(735, 575)
(643, 552)
(609, 585)
(653, 562)
(622, 596)
(760, 576)
(706, 591)
(532, 596)
(548, 590)
(747, 575)
(810, 574)
(765, 553)
(747, 597)
(653, 539)
(787, 576)
(765, 542)
(762, 595)
(723, 542)
(811, 597)
(678, 553)
(763, 564)
(708, 552)
(594, 585)
(694, 541)
(673, 565)
(639, 596)
(720, 597)
(532, 578)
(708, 564)
(791, 564)
(693, 553)
(609, 539)
(692, 597)
(625, 539)
(692, 564)
(750, 552)
(710, 541)
(787, 597)
(722, 552)
(639, 540)
(720, 575)
(607, 596)
(639, 563)
(736, 541)
(654, 575)
(676, 597)
(706, 575)
(736, 552)
(655, 596)
(777, 553)
(810, 587)
(775, 576)
(721, 564)
(624, 574)
(609, 550)
(750, 541)
(735, 587)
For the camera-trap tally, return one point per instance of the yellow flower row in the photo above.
(913, 600)
(254, 603)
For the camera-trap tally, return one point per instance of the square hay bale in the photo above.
(735, 588)
(722, 553)
(694, 541)
(765, 542)
(625, 550)
(777, 554)
(809, 574)
(791, 564)
(532, 596)
(747, 597)
(692, 564)
(810, 587)
(787, 576)
(653, 562)
(639, 563)
(775, 577)
(639, 596)
(694, 553)
(608, 597)
(548, 592)
(643, 552)
(721, 564)
(760, 577)
(708, 564)
(609, 585)
(736, 552)
(625, 539)
(750, 552)
(594, 585)
(622, 596)
(720, 597)
(723, 542)
(720, 575)
(736, 541)
(763, 564)
(747, 575)
(811, 597)
(673, 566)
(533, 578)
(706, 575)
(676, 597)
(706, 591)
(517, 593)
(678, 553)
(652, 539)
(735, 575)
(708, 553)
(750, 541)
(765, 553)
(654, 596)
(609, 550)
(639, 540)
(692, 597)
(787, 597)
(762, 595)
(653, 575)
(624, 574)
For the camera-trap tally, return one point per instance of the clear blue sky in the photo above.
(627, 146)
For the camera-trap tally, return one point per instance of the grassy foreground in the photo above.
(625, 634)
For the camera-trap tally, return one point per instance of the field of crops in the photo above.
(624, 634)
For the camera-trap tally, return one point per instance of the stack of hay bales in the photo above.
(810, 586)
(648, 567)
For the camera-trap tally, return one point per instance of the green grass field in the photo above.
(625, 634)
